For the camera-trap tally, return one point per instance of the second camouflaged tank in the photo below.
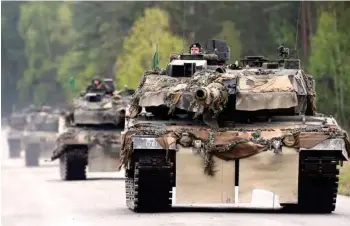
(91, 137)
(203, 133)
(40, 135)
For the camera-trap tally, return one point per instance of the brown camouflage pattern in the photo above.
(234, 143)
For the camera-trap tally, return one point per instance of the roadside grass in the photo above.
(344, 179)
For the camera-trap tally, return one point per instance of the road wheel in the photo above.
(32, 154)
(14, 148)
(72, 166)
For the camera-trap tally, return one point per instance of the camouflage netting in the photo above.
(229, 144)
(256, 90)
(45, 122)
(312, 94)
(156, 90)
(254, 93)
(90, 138)
(17, 121)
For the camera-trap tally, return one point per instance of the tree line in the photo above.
(46, 44)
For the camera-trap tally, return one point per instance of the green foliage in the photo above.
(47, 36)
(99, 28)
(344, 179)
(329, 65)
(13, 61)
(231, 35)
(57, 41)
(282, 29)
(139, 46)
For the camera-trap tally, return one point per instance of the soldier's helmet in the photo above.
(96, 80)
(195, 48)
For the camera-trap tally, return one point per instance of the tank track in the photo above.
(14, 148)
(73, 165)
(318, 182)
(149, 184)
(32, 154)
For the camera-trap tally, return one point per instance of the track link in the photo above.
(149, 184)
(14, 148)
(32, 154)
(73, 165)
(318, 182)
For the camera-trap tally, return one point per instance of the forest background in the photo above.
(46, 44)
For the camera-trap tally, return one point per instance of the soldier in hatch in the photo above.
(195, 48)
(96, 86)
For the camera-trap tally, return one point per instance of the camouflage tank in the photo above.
(91, 136)
(202, 132)
(16, 123)
(40, 135)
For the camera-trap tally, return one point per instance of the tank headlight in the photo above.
(107, 105)
(276, 143)
(289, 140)
(185, 140)
(276, 146)
(197, 144)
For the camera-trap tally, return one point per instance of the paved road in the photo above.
(36, 197)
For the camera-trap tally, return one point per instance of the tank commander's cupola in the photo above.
(220, 49)
(185, 68)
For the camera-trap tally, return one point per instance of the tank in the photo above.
(40, 135)
(204, 133)
(91, 135)
(16, 124)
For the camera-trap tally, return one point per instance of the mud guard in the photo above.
(14, 147)
(32, 154)
(46, 148)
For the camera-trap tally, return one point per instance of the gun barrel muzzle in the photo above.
(201, 94)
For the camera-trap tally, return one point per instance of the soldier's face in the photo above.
(96, 82)
(194, 50)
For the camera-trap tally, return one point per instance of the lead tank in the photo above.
(205, 133)
(91, 136)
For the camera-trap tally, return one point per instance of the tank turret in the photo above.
(100, 108)
(255, 88)
(90, 134)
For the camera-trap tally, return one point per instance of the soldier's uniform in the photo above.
(96, 86)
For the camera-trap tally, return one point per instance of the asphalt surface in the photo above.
(36, 197)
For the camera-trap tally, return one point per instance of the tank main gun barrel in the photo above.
(201, 94)
(214, 93)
